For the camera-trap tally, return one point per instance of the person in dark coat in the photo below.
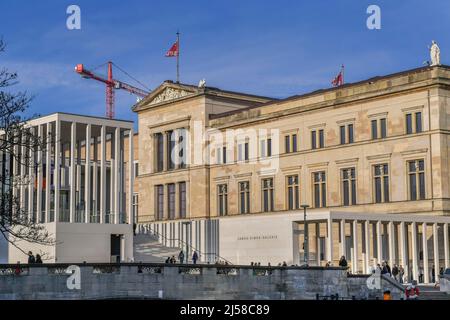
(195, 257)
(181, 256)
(343, 262)
(31, 258)
(38, 258)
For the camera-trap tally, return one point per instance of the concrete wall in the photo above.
(78, 242)
(175, 282)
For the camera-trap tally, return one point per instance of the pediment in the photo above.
(168, 94)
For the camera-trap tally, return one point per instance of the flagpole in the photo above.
(178, 57)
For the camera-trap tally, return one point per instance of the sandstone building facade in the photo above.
(228, 172)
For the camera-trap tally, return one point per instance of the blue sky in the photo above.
(273, 48)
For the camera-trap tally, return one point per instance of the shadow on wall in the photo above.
(3, 250)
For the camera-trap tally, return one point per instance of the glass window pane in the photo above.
(350, 133)
(386, 189)
(409, 123)
(383, 128)
(412, 187)
(346, 192)
(377, 190)
(412, 166)
(246, 151)
(324, 195)
(342, 134)
(294, 143)
(316, 196)
(421, 165)
(418, 121)
(422, 185)
(313, 140)
(287, 144)
(353, 192)
(269, 147)
(374, 129)
(321, 139)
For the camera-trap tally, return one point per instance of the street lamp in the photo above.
(305, 235)
(187, 223)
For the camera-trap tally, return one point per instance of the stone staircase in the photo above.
(148, 249)
(432, 293)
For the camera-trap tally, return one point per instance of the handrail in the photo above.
(187, 244)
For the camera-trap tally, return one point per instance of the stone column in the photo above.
(103, 175)
(426, 273)
(367, 246)
(392, 240)
(355, 247)
(165, 151)
(330, 239)
(22, 164)
(131, 177)
(57, 174)
(415, 263)
(112, 196)
(446, 251)
(73, 141)
(436, 250)
(30, 168)
(87, 175)
(343, 244)
(317, 242)
(48, 163)
(379, 243)
(117, 170)
(403, 249)
(39, 175)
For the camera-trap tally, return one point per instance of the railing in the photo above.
(192, 248)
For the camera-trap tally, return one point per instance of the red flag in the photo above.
(173, 51)
(339, 79)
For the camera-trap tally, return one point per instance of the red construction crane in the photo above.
(111, 86)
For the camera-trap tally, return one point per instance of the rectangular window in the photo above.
(313, 139)
(170, 148)
(135, 206)
(321, 139)
(350, 133)
(159, 152)
(243, 151)
(374, 126)
(416, 175)
(294, 143)
(319, 189)
(182, 199)
(381, 183)
(418, 122)
(409, 128)
(244, 197)
(267, 194)
(182, 148)
(171, 200)
(348, 177)
(383, 128)
(159, 202)
(290, 143)
(224, 155)
(413, 122)
(342, 134)
(221, 155)
(287, 144)
(269, 147)
(293, 192)
(222, 199)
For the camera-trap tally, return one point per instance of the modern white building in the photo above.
(80, 188)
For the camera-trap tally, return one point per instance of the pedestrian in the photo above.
(168, 260)
(181, 256)
(173, 260)
(195, 257)
(18, 269)
(401, 272)
(395, 272)
(284, 264)
(343, 262)
(38, 258)
(433, 275)
(31, 258)
(412, 292)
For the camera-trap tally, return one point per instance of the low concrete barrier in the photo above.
(175, 281)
